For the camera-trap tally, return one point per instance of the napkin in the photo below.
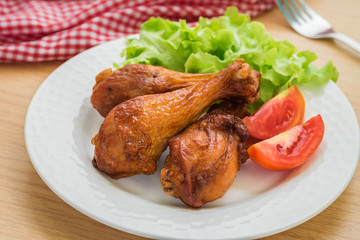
(34, 30)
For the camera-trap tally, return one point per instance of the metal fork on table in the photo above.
(304, 20)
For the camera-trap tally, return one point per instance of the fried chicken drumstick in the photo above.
(115, 87)
(205, 158)
(136, 132)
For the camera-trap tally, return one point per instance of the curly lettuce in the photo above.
(215, 43)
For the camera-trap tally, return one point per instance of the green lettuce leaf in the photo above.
(215, 43)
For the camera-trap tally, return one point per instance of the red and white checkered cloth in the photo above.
(38, 30)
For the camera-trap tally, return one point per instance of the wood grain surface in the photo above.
(30, 210)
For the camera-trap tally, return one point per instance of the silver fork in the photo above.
(304, 20)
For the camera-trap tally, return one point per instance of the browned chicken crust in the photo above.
(204, 159)
(113, 88)
(135, 133)
(227, 106)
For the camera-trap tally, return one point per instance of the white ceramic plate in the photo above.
(61, 122)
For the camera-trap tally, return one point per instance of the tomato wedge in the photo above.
(279, 114)
(290, 148)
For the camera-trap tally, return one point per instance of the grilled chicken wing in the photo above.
(205, 158)
(130, 81)
(136, 132)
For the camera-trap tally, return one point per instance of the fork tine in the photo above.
(285, 12)
(309, 11)
(303, 14)
(292, 11)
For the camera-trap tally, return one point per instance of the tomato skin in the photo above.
(279, 114)
(290, 148)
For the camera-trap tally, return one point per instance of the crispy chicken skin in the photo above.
(130, 81)
(114, 87)
(228, 106)
(205, 158)
(136, 132)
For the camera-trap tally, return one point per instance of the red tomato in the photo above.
(279, 114)
(290, 148)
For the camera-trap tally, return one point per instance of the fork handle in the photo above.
(347, 40)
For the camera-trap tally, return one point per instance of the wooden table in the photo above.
(30, 210)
